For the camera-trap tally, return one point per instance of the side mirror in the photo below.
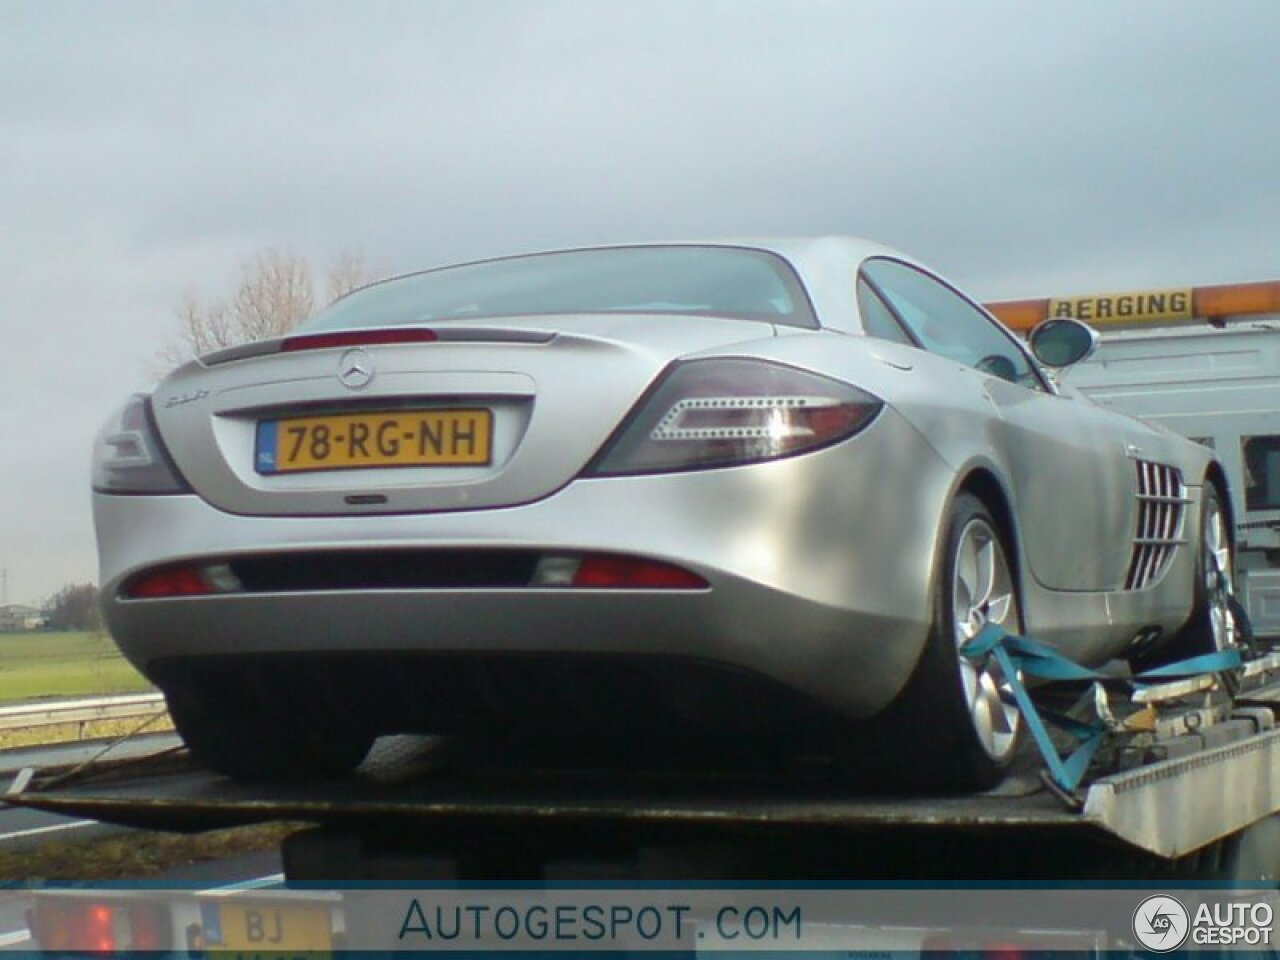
(1062, 341)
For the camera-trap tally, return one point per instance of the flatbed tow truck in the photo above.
(1169, 770)
(1175, 782)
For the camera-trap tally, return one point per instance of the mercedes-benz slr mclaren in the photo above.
(746, 493)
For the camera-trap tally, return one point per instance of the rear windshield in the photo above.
(714, 281)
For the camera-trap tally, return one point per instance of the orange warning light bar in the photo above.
(1207, 303)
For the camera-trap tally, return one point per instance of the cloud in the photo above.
(1024, 149)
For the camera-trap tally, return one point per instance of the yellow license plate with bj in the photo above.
(358, 441)
(271, 930)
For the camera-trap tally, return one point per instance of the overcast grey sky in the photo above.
(1022, 148)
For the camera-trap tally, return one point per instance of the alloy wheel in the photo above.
(1217, 575)
(982, 593)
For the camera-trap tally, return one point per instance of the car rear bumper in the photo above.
(818, 573)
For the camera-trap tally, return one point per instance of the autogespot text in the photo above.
(426, 924)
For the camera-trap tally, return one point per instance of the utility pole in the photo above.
(4, 586)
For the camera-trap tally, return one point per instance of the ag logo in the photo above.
(1161, 924)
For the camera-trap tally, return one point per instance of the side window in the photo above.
(1262, 472)
(947, 324)
(877, 319)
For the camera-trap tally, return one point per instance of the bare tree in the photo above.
(273, 294)
(348, 272)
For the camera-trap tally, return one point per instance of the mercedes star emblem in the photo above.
(355, 370)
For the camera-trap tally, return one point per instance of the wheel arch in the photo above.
(982, 483)
(932, 716)
(1216, 476)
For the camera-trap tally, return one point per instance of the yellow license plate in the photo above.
(356, 441)
(265, 929)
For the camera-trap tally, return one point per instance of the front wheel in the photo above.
(955, 726)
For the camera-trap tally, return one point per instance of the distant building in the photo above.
(15, 617)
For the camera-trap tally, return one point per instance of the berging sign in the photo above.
(1126, 307)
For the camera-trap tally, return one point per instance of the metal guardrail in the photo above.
(81, 711)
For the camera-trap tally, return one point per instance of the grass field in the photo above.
(38, 665)
(136, 855)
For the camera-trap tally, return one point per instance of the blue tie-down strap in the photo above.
(1216, 662)
(1019, 657)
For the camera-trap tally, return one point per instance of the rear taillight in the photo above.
(89, 926)
(602, 571)
(357, 338)
(184, 580)
(630, 572)
(725, 412)
(129, 456)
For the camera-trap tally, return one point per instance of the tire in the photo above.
(949, 729)
(1215, 613)
(247, 742)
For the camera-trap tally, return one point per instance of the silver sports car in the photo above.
(745, 492)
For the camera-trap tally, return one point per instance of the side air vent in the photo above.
(1162, 507)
